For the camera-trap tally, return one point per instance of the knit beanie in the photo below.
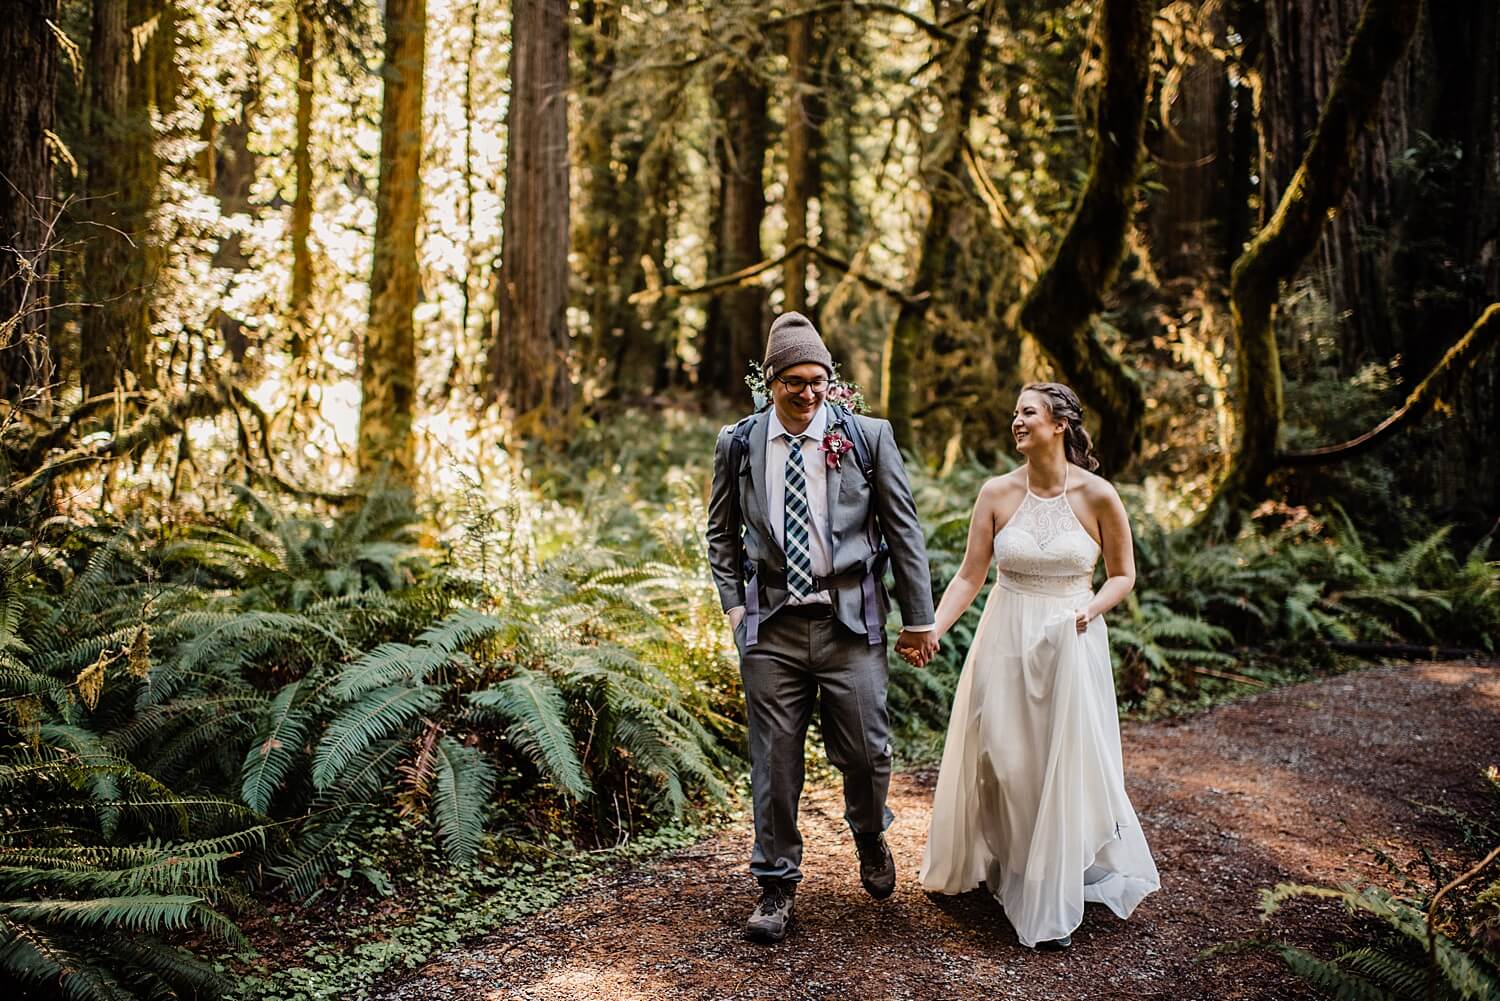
(794, 341)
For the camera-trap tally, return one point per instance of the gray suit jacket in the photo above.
(849, 501)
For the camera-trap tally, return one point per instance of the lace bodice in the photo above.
(1044, 548)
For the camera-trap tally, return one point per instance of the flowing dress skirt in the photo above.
(1031, 795)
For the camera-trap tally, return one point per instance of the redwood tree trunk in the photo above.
(736, 326)
(388, 368)
(529, 356)
(121, 187)
(28, 91)
(800, 138)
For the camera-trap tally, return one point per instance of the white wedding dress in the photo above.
(1031, 795)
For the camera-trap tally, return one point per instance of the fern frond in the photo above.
(461, 793)
(276, 745)
(536, 716)
(149, 913)
(1329, 978)
(387, 664)
(31, 954)
(467, 626)
(372, 716)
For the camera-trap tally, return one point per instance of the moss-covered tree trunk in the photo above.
(736, 327)
(302, 277)
(1059, 309)
(529, 366)
(948, 190)
(28, 93)
(388, 366)
(1277, 252)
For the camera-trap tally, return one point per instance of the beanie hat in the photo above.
(794, 341)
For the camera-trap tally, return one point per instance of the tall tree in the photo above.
(28, 91)
(736, 324)
(1277, 252)
(122, 174)
(801, 164)
(1059, 309)
(529, 365)
(613, 221)
(301, 290)
(388, 367)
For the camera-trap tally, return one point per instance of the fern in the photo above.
(461, 795)
(535, 713)
(276, 744)
(373, 715)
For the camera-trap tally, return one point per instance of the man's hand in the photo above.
(917, 648)
(736, 616)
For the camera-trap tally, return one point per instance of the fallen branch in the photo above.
(162, 419)
(743, 276)
(1244, 679)
(1403, 651)
(1422, 399)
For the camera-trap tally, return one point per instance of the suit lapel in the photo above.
(758, 473)
(835, 475)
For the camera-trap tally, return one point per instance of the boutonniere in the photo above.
(834, 446)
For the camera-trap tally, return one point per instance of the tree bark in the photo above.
(800, 138)
(302, 278)
(1277, 252)
(948, 188)
(388, 368)
(529, 354)
(1059, 309)
(121, 186)
(28, 93)
(610, 235)
(736, 326)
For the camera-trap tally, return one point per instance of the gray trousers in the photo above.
(799, 663)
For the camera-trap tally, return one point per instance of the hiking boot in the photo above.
(877, 867)
(768, 922)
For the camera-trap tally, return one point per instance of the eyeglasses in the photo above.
(797, 385)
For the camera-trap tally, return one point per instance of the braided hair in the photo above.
(1064, 406)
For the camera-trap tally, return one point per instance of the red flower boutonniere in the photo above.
(834, 446)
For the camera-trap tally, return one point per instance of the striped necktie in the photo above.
(798, 557)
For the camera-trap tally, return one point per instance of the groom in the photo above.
(803, 494)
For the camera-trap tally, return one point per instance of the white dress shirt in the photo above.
(816, 466)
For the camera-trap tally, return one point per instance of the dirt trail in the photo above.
(1295, 784)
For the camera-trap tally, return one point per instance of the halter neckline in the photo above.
(1066, 471)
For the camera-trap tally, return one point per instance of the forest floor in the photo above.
(1300, 784)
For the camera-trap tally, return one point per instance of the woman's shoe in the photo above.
(1056, 944)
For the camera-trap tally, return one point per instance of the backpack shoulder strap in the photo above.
(862, 453)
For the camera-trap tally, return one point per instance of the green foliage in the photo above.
(1411, 943)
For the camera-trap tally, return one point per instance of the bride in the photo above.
(1031, 795)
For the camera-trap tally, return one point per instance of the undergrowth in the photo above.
(415, 726)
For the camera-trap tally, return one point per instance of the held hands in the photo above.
(917, 648)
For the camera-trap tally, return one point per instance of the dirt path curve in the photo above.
(1294, 784)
